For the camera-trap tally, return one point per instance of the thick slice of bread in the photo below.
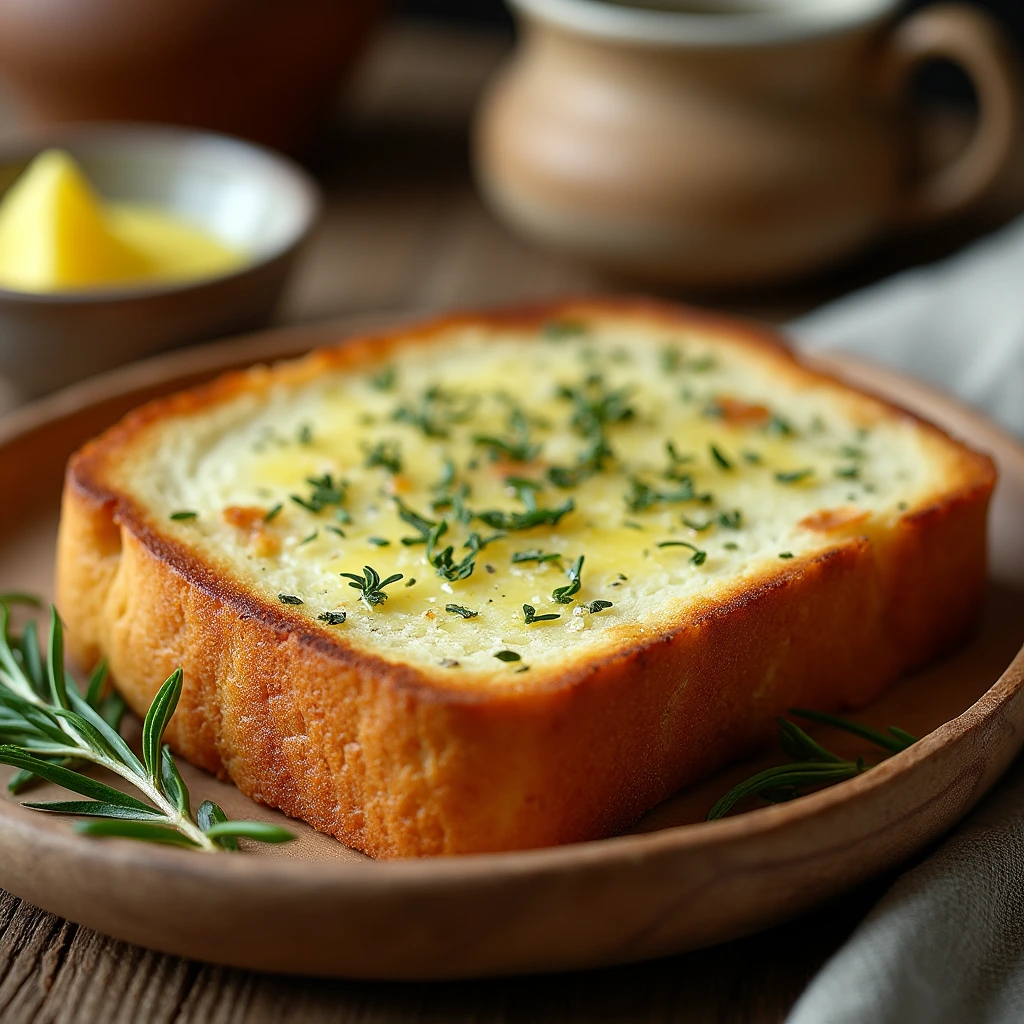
(623, 537)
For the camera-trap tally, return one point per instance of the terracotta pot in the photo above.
(264, 69)
(731, 148)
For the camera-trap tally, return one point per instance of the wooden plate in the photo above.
(673, 883)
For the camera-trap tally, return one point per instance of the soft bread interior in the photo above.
(782, 464)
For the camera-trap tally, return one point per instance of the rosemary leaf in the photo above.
(48, 729)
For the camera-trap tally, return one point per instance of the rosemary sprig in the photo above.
(47, 729)
(812, 765)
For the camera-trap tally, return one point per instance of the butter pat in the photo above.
(57, 235)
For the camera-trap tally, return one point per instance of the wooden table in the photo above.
(404, 230)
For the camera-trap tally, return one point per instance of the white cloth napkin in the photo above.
(945, 945)
(958, 324)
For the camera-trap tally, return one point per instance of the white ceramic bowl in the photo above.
(249, 197)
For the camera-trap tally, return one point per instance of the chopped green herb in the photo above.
(333, 618)
(306, 540)
(530, 615)
(525, 490)
(273, 513)
(564, 595)
(444, 561)
(378, 542)
(720, 459)
(597, 606)
(730, 520)
(508, 656)
(535, 555)
(670, 359)
(305, 434)
(463, 613)
(410, 581)
(557, 330)
(436, 411)
(848, 472)
(632, 524)
(289, 599)
(779, 427)
(183, 515)
(335, 530)
(698, 527)
(425, 527)
(701, 364)
(517, 447)
(595, 407)
(793, 477)
(512, 521)
(731, 546)
(849, 451)
(752, 458)
(675, 458)
(370, 585)
(642, 496)
(324, 492)
(590, 461)
(903, 506)
(697, 558)
(386, 454)
(785, 554)
(385, 380)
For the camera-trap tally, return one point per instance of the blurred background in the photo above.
(463, 162)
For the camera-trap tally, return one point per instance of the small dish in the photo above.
(246, 196)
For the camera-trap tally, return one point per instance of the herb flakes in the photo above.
(332, 618)
(530, 615)
(793, 476)
(463, 613)
(698, 557)
(564, 595)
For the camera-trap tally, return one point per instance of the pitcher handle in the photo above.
(973, 40)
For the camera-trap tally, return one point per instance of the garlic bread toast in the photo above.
(510, 579)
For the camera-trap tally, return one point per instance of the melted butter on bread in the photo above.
(777, 462)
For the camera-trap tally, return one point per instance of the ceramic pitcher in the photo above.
(736, 142)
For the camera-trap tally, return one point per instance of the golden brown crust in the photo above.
(394, 764)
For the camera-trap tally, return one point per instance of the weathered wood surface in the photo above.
(53, 972)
